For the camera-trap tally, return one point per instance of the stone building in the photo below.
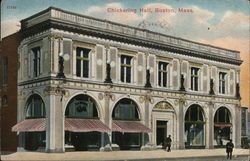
(91, 84)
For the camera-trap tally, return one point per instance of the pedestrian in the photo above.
(168, 143)
(229, 149)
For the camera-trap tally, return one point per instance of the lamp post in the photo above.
(148, 84)
(62, 57)
(108, 67)
(60, 74)
(182, 88)
(108, 70)
(211, 91)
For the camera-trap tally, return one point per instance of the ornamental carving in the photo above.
(100, 96)
(55, 91)
(163, 105)
(109, 95)
(146, 98)
(180, 102)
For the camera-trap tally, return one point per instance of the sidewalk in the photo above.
(128, 155)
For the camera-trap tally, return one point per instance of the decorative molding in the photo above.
(82, 44)
(180, 102)
(163, 105)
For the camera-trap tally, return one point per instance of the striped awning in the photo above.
(30, 125)
(130, 127)
(223, 125)
(85, 125)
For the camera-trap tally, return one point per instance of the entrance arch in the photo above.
(164, 124)
(194, 127)
(35, 109)
(222, 127)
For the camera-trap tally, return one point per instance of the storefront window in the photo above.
(35, 109)
(194, 127)
(82, 107)
(222, 127)
(126, 109)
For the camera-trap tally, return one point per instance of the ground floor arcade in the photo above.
(86, 121)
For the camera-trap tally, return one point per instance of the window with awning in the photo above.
(129, 127)
(85, 125)
(30, 125)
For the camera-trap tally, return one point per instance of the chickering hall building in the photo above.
(91, 84)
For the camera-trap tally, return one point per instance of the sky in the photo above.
(223, 23)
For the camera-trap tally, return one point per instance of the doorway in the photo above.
(161, 133)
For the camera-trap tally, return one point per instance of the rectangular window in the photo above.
(222, 83)
(194, 79)
(5, 71)
(162, 74)
(126, 68)
(36, 61)
(82, 62)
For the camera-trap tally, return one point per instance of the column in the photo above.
(209, 127)
(237, 127)
(147, 120)
(59, 123)
(181, 123)
(55, 124)
(107, 120)
(49, 100)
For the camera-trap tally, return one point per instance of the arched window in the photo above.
(194, 127)
(222, 115)
(82, 106)
(194, 113)
(125, 109)
(222, 127)
(35, 107)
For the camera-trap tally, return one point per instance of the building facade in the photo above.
(8, 91)
(90, 84)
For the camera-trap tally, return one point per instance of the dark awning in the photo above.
(223, 125)
(30, 125)
(130, 127)
(85, 125)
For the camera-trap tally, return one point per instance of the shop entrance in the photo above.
(161, 133)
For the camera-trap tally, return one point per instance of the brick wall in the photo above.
(8, 111)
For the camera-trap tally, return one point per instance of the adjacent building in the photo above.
(91, 84)
(8, 91)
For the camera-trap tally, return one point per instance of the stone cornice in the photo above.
(68, 21)
(132, 40)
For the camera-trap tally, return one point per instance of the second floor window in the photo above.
(36, 61)
(5, 71)
(82, 62)
(222, 82)
(194, 79)
(126, 68)
(162, 74)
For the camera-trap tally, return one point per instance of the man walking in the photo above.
(229, 149)
(168, 143)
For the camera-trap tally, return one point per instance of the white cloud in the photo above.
(233, 24)
(190, 25)
(9, 27)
